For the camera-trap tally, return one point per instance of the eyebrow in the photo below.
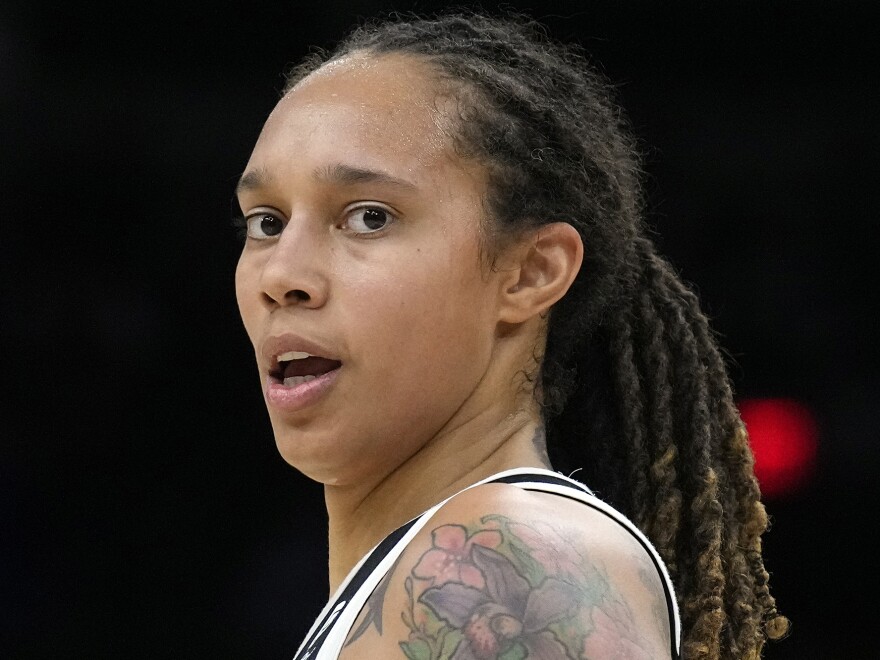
(349, 175)
(253, 180)
(338, 173)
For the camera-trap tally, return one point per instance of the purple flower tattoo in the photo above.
(506, 613)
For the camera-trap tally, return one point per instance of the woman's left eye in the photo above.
(368, 220)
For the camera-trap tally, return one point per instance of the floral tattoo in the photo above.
(509, 591)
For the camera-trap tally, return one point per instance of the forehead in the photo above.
(374, 108)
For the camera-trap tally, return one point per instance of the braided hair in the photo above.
(632, 386)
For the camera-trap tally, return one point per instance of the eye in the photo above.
(263, 225)
(368, 220)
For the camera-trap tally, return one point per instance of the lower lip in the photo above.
(296, 397)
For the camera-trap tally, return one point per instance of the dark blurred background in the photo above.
(144, 511)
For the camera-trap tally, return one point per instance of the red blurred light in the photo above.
(784, 436)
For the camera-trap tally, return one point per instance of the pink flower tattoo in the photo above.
(449, 559)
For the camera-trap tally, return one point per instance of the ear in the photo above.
(541, 268)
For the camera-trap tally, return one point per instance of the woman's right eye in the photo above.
(261, 226)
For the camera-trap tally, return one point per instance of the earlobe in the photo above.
(547, 262)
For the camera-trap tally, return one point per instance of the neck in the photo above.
(362, 515)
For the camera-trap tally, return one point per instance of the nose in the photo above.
(295, 271)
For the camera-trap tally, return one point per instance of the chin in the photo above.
(321, 459)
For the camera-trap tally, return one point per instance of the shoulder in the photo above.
(499, 572)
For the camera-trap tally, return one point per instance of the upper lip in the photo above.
(276, 345)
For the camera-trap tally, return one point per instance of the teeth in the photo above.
(296, 380)
(293, 355)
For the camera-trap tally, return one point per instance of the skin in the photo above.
(434, 343)
(609, 590)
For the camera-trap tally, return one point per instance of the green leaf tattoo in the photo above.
(416, 650)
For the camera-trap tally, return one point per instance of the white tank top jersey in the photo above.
(327, 636)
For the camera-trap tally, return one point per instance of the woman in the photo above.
(446, 266)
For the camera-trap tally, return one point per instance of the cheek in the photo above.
(246, 293)
(423, 317)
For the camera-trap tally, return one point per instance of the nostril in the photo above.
(292, 297)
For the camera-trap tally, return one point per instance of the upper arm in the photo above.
(502, 573)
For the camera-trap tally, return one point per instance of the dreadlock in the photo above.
(631, 370)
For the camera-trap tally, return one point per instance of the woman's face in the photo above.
(363, 249)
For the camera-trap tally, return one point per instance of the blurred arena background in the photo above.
(144, 511)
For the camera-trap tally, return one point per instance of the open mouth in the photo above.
(296, 367)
